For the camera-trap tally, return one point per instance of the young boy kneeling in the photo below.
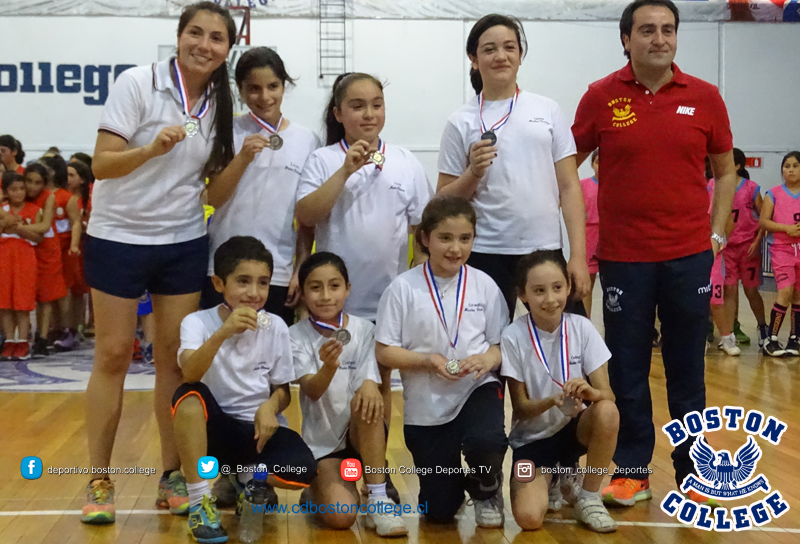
(237, 365)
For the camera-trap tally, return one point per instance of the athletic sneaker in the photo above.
(391, 490)
(99, 507)
(729, 345)
(763, 335)
(9, 349)
(741, 337)
(701, 499)
(204, 523)
(571, 485)
(172, 493)
(627, 491)
(593, 514)
(489, 513)
(225, 493)
(555, 500)
(67, 342)
(23, 351)
(773, 348)
(792, 347)
(381, 517)
(40, 348)
(147, 354)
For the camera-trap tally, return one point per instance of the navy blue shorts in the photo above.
(128, 270)
(563, 447)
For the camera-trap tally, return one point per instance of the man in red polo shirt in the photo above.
(654, 126)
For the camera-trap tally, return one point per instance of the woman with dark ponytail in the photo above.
(518, 200)
(165, 128)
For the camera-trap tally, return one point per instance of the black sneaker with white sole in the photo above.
(792, 347)
(763, 335)
(773, 348)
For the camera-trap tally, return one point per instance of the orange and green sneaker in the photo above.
(99, 507)
(626, 491)
(694, 496)
(172, 494)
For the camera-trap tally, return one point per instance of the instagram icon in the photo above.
(524, 471)
(350, 470)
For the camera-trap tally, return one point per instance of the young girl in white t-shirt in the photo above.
(512, 154)
(440, 325)
(271, 153)
(554, 361)
(362, 195)
(334, 359)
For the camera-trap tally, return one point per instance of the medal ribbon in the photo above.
(328, 326)
(269, 128)
(503, 120)
(461, 292)
(563, 351)
(381, 147)
(184, 94)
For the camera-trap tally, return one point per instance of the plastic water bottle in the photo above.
(251, 527)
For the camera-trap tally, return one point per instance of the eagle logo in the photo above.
(623, 114)
(717, 468)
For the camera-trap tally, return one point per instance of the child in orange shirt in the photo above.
(18, 268)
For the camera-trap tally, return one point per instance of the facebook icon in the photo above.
(31, 468)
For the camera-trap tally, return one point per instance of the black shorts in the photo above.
(275, 304)
(128, 270)
(563, 447)
(349, 451)
(231, 441)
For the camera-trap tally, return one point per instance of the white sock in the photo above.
(377, 491)
(196, 492)
(588, 494)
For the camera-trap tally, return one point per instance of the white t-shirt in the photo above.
(368, 225)
(587, 353)
(326, 420)
(262, 204)
(246, 366)
(407, 318)
(159, 202)
(517, 201)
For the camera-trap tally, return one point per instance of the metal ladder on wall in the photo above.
(332, 38)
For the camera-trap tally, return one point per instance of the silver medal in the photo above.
(568, 406)
(453, 366)
(264, 320)
(489, 135)
(377, 158)
(275, 142)
(342, 335)
(191, 127)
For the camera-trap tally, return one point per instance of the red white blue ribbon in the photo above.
(436, 297)
(381, 147)
(563, 351)
(269, 128)
(328, 326)
(184, 94)
(503, 120)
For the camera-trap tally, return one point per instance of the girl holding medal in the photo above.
(440, 325)
(512, 154)
(554, 361)
(334, 359)
(361, 195)
(164, 129)
(271, 153)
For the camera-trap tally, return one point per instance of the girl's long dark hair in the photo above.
(261, 57)
(334, 130)
(222, 150)
(58, 165)
(484, 24)
(85, 173)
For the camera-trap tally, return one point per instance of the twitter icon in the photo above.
(208, 467)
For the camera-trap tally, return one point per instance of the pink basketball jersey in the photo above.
(745, 216)
(787, 211)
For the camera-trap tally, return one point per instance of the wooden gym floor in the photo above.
(50, 425)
